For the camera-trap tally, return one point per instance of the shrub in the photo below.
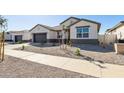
(23, 47)
(19, 42)
(77, 52)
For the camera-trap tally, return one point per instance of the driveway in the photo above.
(95, 69)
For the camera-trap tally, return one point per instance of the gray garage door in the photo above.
(40, 38)
(18, 38)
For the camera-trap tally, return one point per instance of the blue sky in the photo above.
(21, 22)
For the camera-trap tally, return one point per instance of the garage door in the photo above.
(40, 38)
(18, 38)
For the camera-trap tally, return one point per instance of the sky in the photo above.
(22, 22)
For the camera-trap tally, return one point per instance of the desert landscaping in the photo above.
(88, 52)
(17, 68)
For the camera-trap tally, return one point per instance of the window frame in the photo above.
(82, 32)
(78, 34)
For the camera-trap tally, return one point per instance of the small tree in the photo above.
(3, 27)
(63, 37)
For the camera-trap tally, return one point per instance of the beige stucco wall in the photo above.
(52, 35)
(93, 34)
(120, 32)
(40, 29)
(8, 36)
(25, 35)
(115, 35)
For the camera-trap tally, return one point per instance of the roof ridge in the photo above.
(70, 18)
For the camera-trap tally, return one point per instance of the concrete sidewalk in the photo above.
(81, 66)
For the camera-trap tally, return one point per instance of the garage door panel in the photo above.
(18, 38)
(40, 38)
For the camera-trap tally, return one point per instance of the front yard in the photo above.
(88, 52)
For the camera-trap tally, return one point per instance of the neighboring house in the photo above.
(116, 31)
(16, 36)
(81, 31)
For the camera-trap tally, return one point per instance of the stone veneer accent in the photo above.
(76, 41)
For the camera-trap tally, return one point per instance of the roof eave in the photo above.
(42, 26)
(116, 26)
(99, 24)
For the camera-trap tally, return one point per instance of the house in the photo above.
(80, 31)
(16, 36)
(75, 30)
(117, 31)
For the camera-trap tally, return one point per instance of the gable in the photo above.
(85, 22)
(39, 29)
(94, 27)
(69, 21)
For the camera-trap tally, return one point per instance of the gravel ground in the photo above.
(101, 54)
(89, 52)
(17, 68)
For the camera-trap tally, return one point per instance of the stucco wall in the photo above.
(120, 32)
(25, 35)
(93, 33)
(8, 36)
(11, 36)
(52, 35)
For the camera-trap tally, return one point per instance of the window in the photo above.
(79, 32)
(83, 32)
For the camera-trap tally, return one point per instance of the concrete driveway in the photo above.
(95, 69)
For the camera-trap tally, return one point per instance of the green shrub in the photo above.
(19, 42)
(77, 52)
